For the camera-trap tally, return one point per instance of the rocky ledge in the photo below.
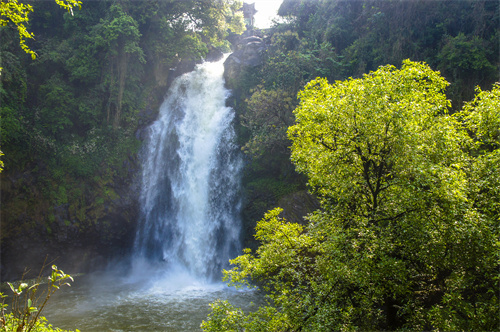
(248, 54)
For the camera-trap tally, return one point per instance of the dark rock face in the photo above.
(78, 237)
(248, 54)
(214, 55)
(184, 66)
(297, 205)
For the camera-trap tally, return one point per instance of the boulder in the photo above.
(214, 55)
(249, 53)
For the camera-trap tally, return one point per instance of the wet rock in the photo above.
(214, 55)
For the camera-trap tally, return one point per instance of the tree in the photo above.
(468, 60)
(357, 139)
(118, 37)
(481, 117)
(283, 266)
(392, 171)
(402, 240)
(16, 13)
(268, 116)
(13, 12)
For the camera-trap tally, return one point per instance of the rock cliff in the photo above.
(248, 54)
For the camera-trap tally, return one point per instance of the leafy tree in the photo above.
(402, 240)
(268, 117)
(482, 118)
(387, 160)
(13, 89)
(16, 13)
(277, 268)
(466, 60)
(354, 138)
(117, 36)
(57, 107)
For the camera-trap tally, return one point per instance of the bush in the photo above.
(28, 301)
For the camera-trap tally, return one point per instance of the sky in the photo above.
(266, 11)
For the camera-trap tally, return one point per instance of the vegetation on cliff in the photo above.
(70, 117)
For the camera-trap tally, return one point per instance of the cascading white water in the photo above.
(189, 224)
(190, 180)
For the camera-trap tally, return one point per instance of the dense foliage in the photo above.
(407, 235)
(16, 13)
(337, 39)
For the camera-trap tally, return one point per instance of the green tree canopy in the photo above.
(407, 237)
(358, 139)
(16, 13)
(268, 117)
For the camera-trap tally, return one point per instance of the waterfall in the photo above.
(190, 206)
